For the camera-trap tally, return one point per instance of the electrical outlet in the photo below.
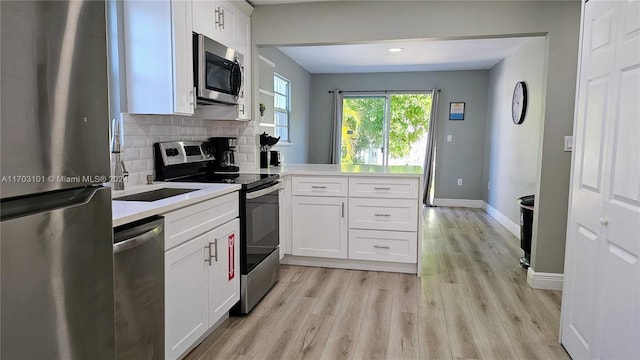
(459, 182)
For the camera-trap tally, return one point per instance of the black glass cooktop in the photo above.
(248, 181)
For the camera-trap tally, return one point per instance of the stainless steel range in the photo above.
(184, 161)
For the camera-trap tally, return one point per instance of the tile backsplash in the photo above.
(142, 131)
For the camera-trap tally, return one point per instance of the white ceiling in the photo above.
(417, 55)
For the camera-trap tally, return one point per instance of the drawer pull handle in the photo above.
(382, 188)
(318, 187)
(382, 215)
(381, 247)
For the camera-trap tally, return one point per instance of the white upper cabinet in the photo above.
(157, 37)
(229, 23)
(226, 22)
(215, 20)
(242, 34)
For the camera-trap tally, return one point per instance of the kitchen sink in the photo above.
(154, 195)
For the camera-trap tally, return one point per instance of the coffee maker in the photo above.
(223, 150)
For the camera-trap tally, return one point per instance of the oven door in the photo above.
(262, 231)
(218, 71)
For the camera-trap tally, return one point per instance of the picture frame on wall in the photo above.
(456, 111)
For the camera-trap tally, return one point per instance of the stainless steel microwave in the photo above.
(218, 72)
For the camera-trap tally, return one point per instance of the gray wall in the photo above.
(356, 21)
(511, 152)
(462, 158)
(297, 151)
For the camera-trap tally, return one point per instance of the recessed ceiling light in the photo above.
(395, 49)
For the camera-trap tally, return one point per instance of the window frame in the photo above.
(286, 111)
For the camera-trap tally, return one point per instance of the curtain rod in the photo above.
(377, 91)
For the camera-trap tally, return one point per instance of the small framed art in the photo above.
(456, 111)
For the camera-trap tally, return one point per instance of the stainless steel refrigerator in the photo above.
(56, 284)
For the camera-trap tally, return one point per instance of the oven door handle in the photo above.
(265, 191)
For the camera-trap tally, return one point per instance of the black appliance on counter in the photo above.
(223, 151)
(266, 142)
(185, 161)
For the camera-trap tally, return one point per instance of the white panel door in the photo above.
(319, 226)
(185, 296)
(601, 299)
(619, 269)
(224, 269)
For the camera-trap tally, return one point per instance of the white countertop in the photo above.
(127, 211)
(344, 170)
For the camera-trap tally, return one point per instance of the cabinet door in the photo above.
(183, 96)
(242, 34)
(319, 226)
(158, 56)
(225, 25)
(242, 40)
(185, 295)
(224, 274)
(204, 18)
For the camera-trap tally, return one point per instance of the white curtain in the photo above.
(336, 127)
(430, 152)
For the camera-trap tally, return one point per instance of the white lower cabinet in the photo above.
(186, 306)
(224, 275)
(355, 218)
(319, 226)
(393, 246)
(202, 280)
(383, 214)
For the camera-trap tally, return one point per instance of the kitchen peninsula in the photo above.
(362, 217)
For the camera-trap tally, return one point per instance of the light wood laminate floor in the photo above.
(472, 303)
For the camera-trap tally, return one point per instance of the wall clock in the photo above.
(519, 102)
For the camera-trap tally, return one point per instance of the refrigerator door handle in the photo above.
(25, 206)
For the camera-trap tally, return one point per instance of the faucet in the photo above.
(120, 172)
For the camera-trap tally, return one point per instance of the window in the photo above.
(281, 101)
(388, 128)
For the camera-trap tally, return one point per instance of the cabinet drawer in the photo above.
(380, 187)
(186, 223)
(391, 246)
(383, 214)
(320, 186)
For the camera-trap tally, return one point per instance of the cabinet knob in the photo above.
(604, 221)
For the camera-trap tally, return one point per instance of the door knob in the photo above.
(604, 221)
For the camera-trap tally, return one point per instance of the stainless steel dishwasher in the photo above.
(138, 254)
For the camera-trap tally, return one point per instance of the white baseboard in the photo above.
(544, 281)
(406, 268)
(502, 219)
(459, 203)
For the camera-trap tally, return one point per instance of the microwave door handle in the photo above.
(202, 66)
(236, 78)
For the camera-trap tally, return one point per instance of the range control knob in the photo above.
(172, 152)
